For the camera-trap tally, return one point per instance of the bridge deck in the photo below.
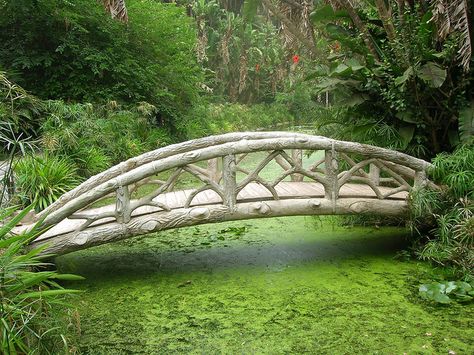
(251, 192)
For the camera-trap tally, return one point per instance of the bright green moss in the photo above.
(283, 285)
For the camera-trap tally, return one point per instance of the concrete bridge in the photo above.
(223, 178)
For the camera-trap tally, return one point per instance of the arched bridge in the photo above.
(230, 177)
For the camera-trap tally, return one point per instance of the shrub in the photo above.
(444, 218)
(27, 296)
(95, 137)
(224, 118)
(73, 50)
(42, 179)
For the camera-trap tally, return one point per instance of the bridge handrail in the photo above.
(226, 146)
(157, 154)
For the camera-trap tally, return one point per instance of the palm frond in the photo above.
(453, 16)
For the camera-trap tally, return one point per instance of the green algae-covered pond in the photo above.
(282, 285)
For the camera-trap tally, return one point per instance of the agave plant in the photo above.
(27, 294)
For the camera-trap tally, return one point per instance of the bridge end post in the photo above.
(421, 180)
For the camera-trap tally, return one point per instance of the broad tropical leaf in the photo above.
(401, 80)
(328, 14)
(432, 74)
(406, 133)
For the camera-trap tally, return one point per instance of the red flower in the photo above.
(257, 67)
(296, 58)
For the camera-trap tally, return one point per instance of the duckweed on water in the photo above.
(283, 285)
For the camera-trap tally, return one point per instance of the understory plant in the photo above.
(18, 121)
(443, 218)
(95, 137)
(447, 291)
(29, 294)
(400, 70)
(42, 179)
(223, 118)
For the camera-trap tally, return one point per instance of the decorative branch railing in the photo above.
(127, 177)
(227, 171)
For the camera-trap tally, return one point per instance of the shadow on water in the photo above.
(272, 249)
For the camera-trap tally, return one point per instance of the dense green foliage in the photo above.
(74, 51)
(444, 217)
(41, 180)
(400, 83)
(97, 137)
(246, 62)
(19, 111)
(27, 294)
(224, 118)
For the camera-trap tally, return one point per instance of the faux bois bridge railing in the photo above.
(230, 177)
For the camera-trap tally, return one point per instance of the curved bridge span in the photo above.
(230, 177)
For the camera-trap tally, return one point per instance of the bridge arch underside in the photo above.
(230, 177)
(64, 238)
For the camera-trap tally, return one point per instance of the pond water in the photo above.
(274, 286)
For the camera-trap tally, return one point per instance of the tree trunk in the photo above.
(361, 27)
(117, 9)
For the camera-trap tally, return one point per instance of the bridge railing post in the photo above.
(421, 179)
(331, 163)
(374, 174)
(297, 155)
(122, 205)
(213, 169)
(229, 181)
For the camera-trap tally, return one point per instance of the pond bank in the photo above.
(282, 285)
